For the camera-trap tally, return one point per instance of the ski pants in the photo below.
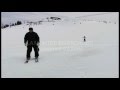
(29, 49)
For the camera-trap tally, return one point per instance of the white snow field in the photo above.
(63, 54)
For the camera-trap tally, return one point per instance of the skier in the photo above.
(31, 39)
(84, 39)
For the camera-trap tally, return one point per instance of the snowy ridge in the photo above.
(109, 17)
(11, 17)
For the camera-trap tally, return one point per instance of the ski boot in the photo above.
(27, 60)
(36, 59)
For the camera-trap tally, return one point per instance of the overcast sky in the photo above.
(68, 14)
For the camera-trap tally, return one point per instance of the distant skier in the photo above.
(84, 38)
(31, 39)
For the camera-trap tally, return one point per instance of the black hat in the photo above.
(30, 28)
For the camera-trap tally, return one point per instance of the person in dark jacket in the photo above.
(31, 40)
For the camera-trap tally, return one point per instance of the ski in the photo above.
(36, 60)
(26, 61)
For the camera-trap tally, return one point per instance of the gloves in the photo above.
(25, 44)
(38, 44)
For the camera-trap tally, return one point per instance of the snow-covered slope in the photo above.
(63, 54)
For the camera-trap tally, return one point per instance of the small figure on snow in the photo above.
(31, 40)
(84, 39)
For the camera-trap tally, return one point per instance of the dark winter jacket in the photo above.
(31, 38)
